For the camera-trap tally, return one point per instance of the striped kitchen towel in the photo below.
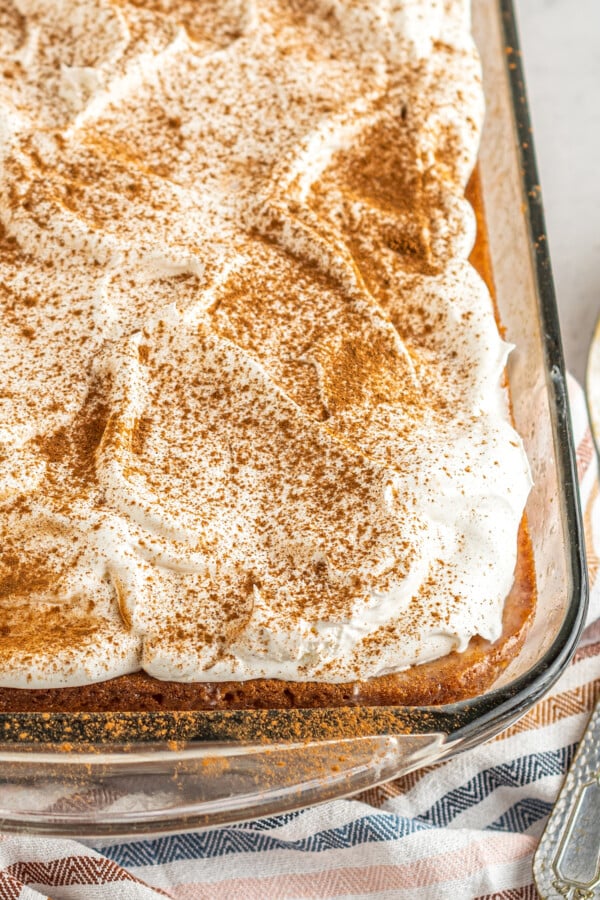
(465, 828)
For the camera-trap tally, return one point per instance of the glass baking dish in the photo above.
(93, 774)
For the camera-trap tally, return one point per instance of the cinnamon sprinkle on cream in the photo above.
(252, 421)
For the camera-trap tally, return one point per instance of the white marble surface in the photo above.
(561, 48)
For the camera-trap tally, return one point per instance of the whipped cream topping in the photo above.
(252, 421)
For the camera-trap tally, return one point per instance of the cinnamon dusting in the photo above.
(240, 327)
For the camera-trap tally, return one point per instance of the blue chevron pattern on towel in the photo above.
(269, 822)
(522, 815)
(224, 841)
(385, 826)
(516, 773)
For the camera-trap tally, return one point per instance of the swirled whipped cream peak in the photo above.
(252, 421)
